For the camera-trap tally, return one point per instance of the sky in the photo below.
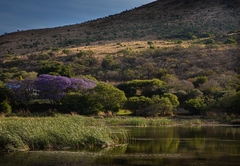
(34, 14)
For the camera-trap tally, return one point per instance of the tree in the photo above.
(108, 97)
(159, 73)
(145, 106)
(195, 106)
(81, 103)
(22, 90)
(162, 106)
(173, 99)
(54, 68)
(230, 102)
(142, 87)
(194, 93)
(54, 88)
(138, 104)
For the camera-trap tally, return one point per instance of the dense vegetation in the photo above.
(72, 132)
(156, 82)
(177, 59)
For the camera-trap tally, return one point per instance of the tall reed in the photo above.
(137, 121)
(23, 134)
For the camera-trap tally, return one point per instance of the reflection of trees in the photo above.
(198, 139)
(154, 140)
(210, 140)
(154, 146)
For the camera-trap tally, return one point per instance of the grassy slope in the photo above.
(157, 20)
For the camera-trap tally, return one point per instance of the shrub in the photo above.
(173, 99)
(194, 106)
(5, 107)
(82, 104)
(230, 41)
(108, 97)
(199, 80)
(210, 41)
(145, 106)
(230, 102)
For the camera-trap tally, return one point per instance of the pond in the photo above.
(166, 146)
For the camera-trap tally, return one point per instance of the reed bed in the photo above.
(73, 132)
(137, 121)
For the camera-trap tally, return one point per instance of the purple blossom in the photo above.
(55, 87)
(49, 87)
(52, 87)
(82, 84)
(22, 90)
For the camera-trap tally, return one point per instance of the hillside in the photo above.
(160, 20)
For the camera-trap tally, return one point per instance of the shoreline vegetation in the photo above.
(64, 132)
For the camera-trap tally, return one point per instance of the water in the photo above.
(162, 146)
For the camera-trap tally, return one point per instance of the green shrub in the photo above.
(199, 80)
(210, 41)
(194, 106)
(230, 41)
(5, 107)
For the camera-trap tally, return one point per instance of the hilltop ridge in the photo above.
(168, 19)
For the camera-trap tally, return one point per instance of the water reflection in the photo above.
(215, 146)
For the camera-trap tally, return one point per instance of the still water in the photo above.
(162, 146)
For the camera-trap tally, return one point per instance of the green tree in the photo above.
(145, 106)
(142, 87)
(54, 68)
(230, 102)
(199, 80)
(82, 104)
(194, 93)
(108, 97)
(159, 73)
(162, 106)
(128, 74)
(173, 99)
(195, 106)
(138, 104)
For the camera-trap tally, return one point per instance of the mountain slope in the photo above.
(163, 19)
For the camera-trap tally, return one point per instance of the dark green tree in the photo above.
(54, 68)
(83, 104)
(195, 106)
(138, 105)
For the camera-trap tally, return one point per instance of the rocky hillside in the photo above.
(163, 19)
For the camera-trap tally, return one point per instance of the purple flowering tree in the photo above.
(55, 87)
(22, 91)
